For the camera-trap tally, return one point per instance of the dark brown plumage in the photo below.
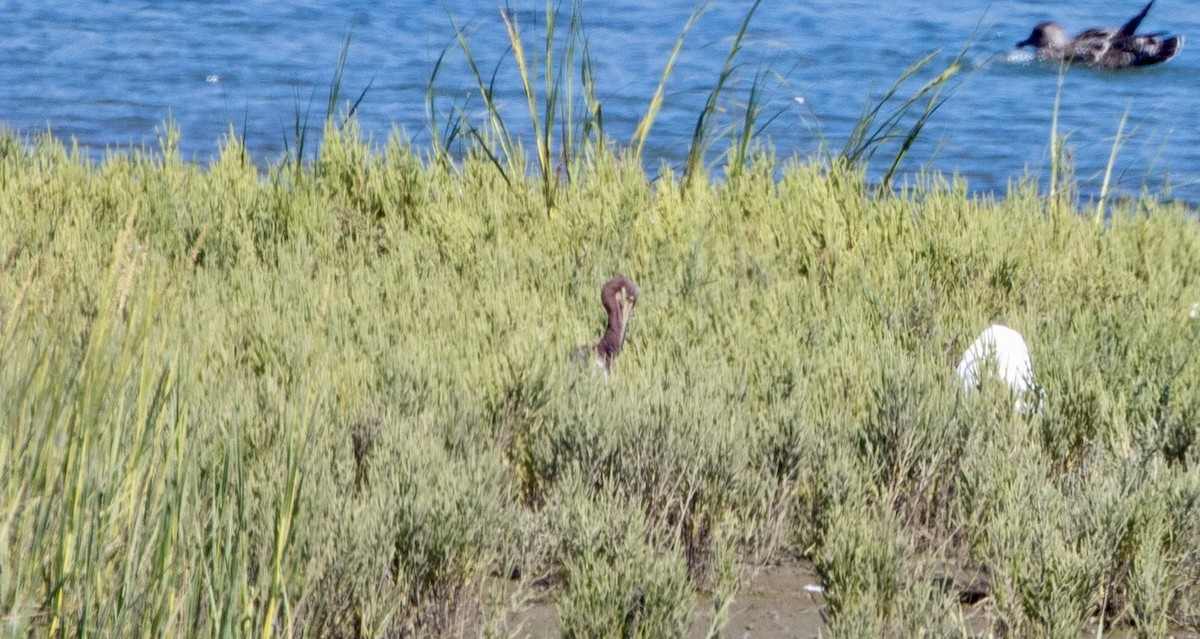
(1106, 47)
(619, 295)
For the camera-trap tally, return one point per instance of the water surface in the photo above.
(109, 74)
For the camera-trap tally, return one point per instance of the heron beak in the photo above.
(627, 304)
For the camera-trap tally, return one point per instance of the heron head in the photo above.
(619, 296)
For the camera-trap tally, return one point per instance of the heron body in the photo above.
(619, 295)
(1104, 47)
(1002, 352)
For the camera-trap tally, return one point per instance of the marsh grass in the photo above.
(333, 397)
(702, 136)
(333, 403)
(619, 582)
(551, 104)
(897, 118)
(565, 114)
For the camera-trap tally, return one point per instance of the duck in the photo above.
(1109, 48)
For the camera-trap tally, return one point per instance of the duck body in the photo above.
(1104, 47)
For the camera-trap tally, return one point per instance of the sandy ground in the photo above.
(782, 600)
(785, 600)
(773, 602)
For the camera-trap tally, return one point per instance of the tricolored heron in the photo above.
(619, 295)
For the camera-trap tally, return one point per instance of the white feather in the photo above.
(1002, 351)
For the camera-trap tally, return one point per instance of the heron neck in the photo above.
(614, 336)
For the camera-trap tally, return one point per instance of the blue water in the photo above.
(109, 74)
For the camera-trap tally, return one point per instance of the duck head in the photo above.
(1047, 35)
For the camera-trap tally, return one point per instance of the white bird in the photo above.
(1001, 351)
